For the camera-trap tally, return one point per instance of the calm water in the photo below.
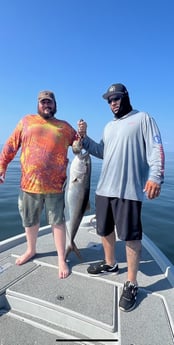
(157, 215)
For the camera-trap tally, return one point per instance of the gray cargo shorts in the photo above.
(31, 205)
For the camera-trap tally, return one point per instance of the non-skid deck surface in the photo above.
(46, 310)
(78, 295)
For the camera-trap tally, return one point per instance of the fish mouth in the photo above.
(82, 154)
(77, 146)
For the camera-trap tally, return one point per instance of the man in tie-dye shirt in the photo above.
(44, 142)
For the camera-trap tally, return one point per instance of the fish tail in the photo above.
(72, 248)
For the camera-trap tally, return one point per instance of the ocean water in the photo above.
(157, 215)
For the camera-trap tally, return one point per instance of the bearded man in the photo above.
(133, 165)
(44, 142)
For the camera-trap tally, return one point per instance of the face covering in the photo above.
(125, 107)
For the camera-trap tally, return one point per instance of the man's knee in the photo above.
(134, 245)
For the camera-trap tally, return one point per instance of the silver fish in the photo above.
(77, 197)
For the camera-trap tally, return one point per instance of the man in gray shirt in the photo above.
(133, 165)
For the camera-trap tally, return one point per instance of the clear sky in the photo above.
(77, 49)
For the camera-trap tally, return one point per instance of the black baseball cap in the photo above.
(116, 90)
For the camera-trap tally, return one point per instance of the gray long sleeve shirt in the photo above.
(132, 152)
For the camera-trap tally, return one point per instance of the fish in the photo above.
(77, 194)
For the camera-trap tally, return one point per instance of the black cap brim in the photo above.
(113, 94)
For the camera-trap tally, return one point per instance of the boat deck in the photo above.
(37, 308)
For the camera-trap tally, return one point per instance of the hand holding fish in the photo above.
(82, 128)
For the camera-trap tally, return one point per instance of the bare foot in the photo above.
(63, 270)
(24, 258)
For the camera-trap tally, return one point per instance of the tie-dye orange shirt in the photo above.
(44, 144)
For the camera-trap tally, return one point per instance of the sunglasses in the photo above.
(114, 99)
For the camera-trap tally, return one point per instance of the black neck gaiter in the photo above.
(125, 107)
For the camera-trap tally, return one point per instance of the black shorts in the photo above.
(122, 213)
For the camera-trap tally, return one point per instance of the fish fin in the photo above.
(72, 248)
(76, 251)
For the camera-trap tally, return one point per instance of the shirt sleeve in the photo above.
(95, 149)
(154, 150)
(11, 147)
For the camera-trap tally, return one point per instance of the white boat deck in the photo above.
(37, 308)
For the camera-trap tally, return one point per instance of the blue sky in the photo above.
(77, 49)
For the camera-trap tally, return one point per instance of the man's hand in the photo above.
(82, 127)
(152, 189)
